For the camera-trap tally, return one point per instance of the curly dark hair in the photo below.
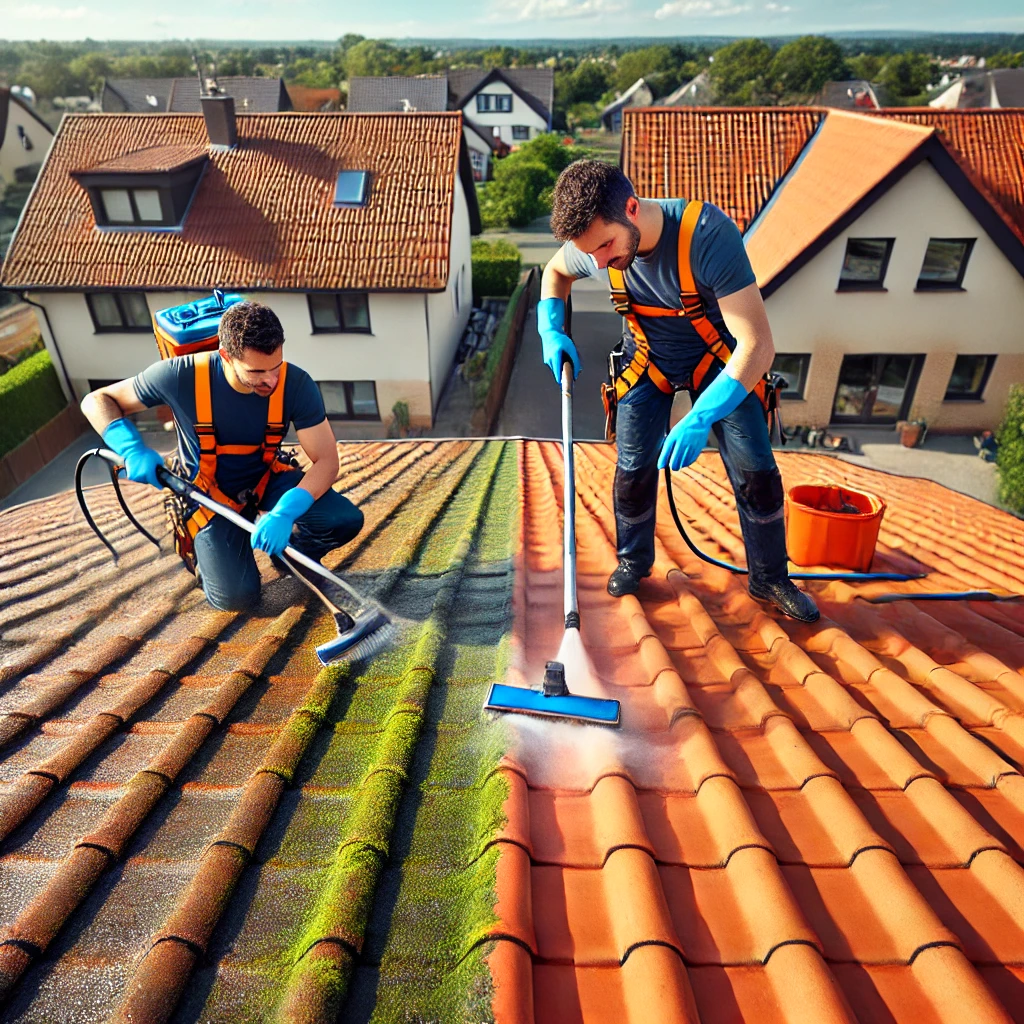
(585, 190)
(250, 325)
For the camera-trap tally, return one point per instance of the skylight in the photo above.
(352, 189)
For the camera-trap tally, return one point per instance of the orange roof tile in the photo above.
(153, 158)
(794, 822)
(847, 157)
(735, 157)
(262, 217)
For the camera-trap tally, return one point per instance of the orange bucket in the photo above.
(828, 525)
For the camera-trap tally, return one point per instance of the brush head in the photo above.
(526, 701)
(371, 632)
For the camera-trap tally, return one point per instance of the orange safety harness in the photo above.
(189, 521)
(691, 306)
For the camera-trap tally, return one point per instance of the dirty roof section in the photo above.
(262, 216)
(793, 822)
(195, 815)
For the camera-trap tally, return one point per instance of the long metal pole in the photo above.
(572, 613)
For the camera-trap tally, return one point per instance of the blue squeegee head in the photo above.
(525, 701)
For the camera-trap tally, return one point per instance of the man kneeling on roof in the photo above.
(232, 409)
(681, 278)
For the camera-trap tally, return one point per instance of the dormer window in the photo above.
(150, 189)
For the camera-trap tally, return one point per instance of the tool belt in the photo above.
(623, 376)
(187, 519)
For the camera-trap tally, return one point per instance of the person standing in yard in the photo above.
(681, 278)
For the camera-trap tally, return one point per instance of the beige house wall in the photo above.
(13, 153)
(808, 314)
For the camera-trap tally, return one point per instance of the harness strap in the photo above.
(206, 475)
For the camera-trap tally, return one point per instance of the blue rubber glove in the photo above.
(274, 530)
(686, 439)
(555, 343)
(140, 461)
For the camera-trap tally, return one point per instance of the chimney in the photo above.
(219, 115)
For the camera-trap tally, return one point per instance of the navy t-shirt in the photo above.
(720, 267)
(237, 418)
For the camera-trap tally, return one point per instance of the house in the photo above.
(1002, 87)
(792, 823)
(252, 95)
(880, 242)
(485, 141)
(855, 94)
(698, 92)
(513, 104)
(24, 139)
(637, 95)
(355, 228)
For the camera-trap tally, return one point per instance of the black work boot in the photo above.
(626, 578)
(785, 595)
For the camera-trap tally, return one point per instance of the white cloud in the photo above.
(778, 8)
(41, 12)
(550, 10)
(701, 8)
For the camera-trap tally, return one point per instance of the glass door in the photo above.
(875, 388)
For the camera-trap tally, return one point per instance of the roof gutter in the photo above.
(23, 295)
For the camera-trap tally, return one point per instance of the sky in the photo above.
(286, 20)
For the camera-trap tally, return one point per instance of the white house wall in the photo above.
(394, 355)
(808, 315)
(522, 114)
(12, 152)
(447, 324)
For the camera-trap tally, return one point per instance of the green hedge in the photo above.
(495, 267)
(1010, 458)
(30, 396)
(497, 348)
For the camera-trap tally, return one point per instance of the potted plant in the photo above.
(913, 431)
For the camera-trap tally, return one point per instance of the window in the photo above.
(26, 142)
(493, 103)
(352, 188)
(794, 369)
(478, 161)
(119, 311)
(350, 399)
(945, 261)
(131, 205)
(520, 131)
(337, 312)
(865, 263)
(969, 377)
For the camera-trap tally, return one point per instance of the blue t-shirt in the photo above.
(720, 267)
(237, 418)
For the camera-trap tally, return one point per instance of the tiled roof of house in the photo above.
(792, 823)
(732, 157)
(262, 217)
(538, 82)
(625, 98)
(854, 94)
(736, 158)
(150, 160)
(134, 95)
(848, 157)
(252, 95)
(307, 98)
(386, 92)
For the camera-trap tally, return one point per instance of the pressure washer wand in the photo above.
(572, 611)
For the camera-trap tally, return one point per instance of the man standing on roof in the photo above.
(229, 448)
(696, 321)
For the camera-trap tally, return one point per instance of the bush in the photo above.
(495, 267)
(1010, 458)
(30, 396)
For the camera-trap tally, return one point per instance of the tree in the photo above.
(802, 67)
(905, 75)
(738, 72)
(1005, 59)
(1010, 457)
(373, 58)
(654, 63)
(92, 68)
(865, 66)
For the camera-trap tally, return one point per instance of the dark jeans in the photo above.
(643, 418)
(230, 578)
